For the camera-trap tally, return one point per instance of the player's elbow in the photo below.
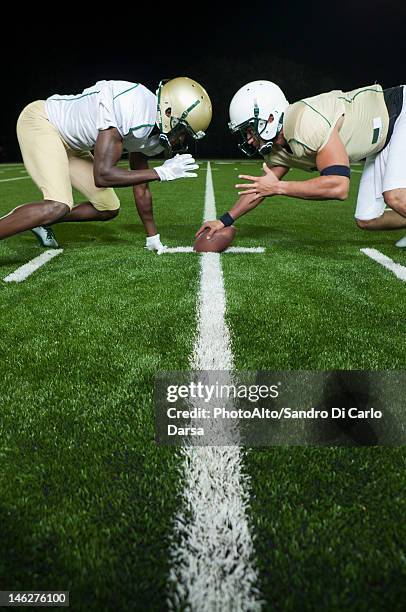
(342, 194)
(341, 190)
(102, 177)
(102, 181)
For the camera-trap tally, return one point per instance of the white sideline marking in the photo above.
(18, 178)
(212, 548)
(189, 249)
(397, 269)
(27, 269)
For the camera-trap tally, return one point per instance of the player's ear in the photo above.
(270, 118)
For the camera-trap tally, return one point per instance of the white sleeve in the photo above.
(106, 116)
(135, 107)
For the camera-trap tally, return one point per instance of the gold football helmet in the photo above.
(184, 109)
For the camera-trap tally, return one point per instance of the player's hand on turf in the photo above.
(177, 167)
(154, 243)
(212, 226)
(260, 185)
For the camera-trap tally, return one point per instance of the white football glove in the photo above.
(177, 167)
(154, 243)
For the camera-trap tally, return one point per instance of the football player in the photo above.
(324, 133)
(57, 135)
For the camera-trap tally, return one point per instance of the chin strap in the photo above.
(267, 147)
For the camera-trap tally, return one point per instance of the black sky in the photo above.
(306, 47)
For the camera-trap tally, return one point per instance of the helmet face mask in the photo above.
(175, 141)
(244, 132)
(184, 112)
(256, 130)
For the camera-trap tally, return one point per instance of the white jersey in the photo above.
(129, 107)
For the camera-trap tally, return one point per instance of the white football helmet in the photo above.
(184, 108)
(251, 107)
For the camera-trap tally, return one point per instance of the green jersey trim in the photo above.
(126, 91)
(74, 98)
(316, 111)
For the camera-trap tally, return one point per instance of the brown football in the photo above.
(219, 242)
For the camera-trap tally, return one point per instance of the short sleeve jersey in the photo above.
(129, 107)
(308, 124)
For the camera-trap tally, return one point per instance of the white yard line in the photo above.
(180, 249)
(18, 178)
(245, 250)
(212, 553)
(189, 249)
(27, 269)
(397, 269)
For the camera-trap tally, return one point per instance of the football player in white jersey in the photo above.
(325, 133)
(57, 135)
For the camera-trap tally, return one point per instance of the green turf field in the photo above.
(87, 498)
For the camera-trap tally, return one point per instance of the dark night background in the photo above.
(306, 48)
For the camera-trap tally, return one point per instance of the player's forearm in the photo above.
(143, 202)
(120, 177)
(320, 188)
(243, 205)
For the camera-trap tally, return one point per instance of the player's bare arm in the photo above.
(142, 194)
(107, 154)
(244, 204)
(330, 160)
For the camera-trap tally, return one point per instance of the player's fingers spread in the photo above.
(190, 175)
(247, 177)
(246, 186)
(247, 191)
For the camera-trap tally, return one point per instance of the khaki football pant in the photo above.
(54, 166)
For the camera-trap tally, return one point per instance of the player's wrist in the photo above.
(227, 219)
(279, 188)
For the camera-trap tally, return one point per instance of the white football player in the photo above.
(326, 133)
(57, 135)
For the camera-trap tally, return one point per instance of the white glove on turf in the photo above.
(154, 243)
(177, 167)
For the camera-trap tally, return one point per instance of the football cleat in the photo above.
(46, 236)
(401, 243)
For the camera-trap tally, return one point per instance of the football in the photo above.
(219, 242)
